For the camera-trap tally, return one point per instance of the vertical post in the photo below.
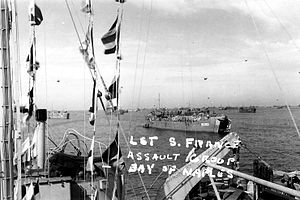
(41, 118)
(17, 94)
(6, 114)
(41, 144)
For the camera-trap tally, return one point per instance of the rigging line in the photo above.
(182, 83)
(95, 70)
(155, 181)
(74, 25)
(136, 61)
(139, 174)
(46, 91)
(78, 19)
(274, 150)
(18, 90)
(146, 49)
(283, 27)
(84, 112)
(272, 69)
(286, 154)
(135, 195)
(252, 152)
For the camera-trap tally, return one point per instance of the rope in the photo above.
(144, 58)
(274, 150)
(96, 70)
(132, 188)
(252, 152)
(73, 23)
(155, 181)
(76, 12)
(272, 69)
(143, 184)
(137, 58)
(283, 27)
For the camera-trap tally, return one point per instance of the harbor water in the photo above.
(269, 133)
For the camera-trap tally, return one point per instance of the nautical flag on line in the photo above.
(90, 165)
(35, 14)
(113, 155)
(30, 55)
(29, 59)
(109, 39)
(31, 104)
(93, 109)
(113, 88)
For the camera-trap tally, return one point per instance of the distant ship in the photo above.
(250, 109)
(56, 114)
(190, 120)
(280, 107)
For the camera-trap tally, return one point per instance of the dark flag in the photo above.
(113, 88)
(90, 161)
(92, 108)
(35, 15)
(113, 155)
(30, 59)
(31, 104)
(109, 39)
(30, 55)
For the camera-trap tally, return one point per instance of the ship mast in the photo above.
(158, 100)
(6, 114)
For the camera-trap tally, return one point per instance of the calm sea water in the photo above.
(268, 133)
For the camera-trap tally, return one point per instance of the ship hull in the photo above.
(209, 125)
(247, 110)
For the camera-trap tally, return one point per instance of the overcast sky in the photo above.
(168, 48)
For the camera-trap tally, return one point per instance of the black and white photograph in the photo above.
(150, 100)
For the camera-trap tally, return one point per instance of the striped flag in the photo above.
(35, 14)
(90, 165)
(109, 39)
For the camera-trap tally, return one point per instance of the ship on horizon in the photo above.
(189, 120)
